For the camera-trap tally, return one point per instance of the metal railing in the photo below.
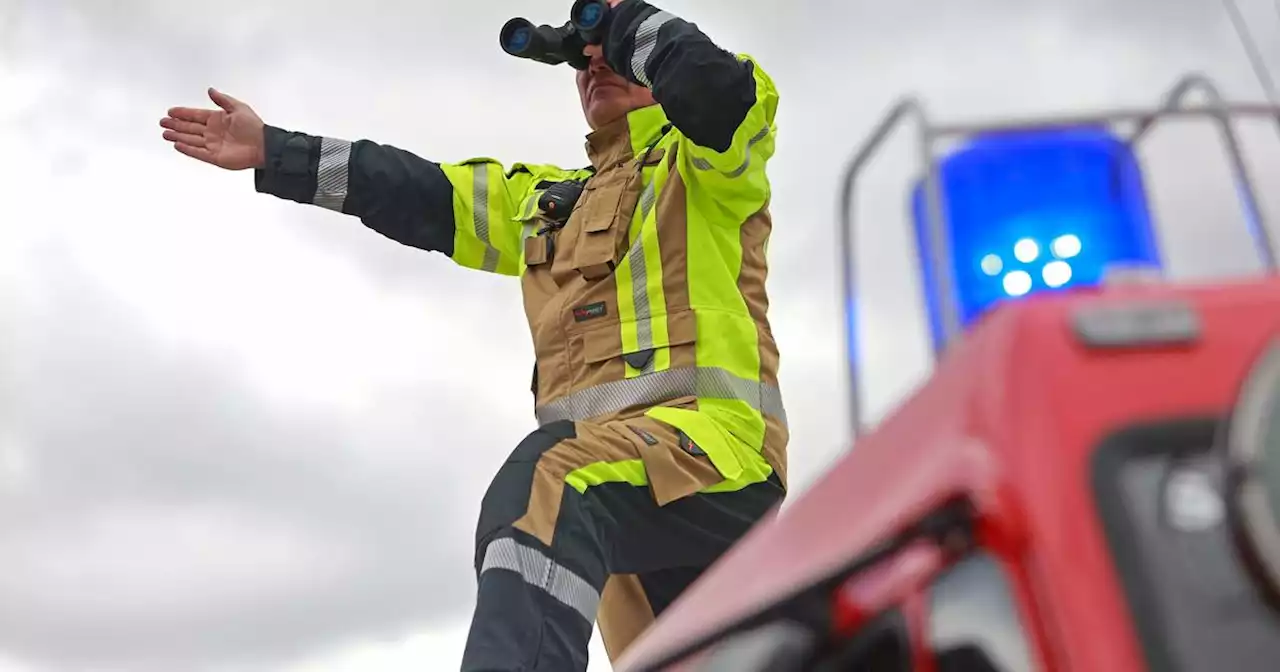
(929, 134)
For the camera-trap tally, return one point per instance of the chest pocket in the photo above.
(541, 214)
(599, 225)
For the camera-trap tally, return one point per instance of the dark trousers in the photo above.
(588, 521)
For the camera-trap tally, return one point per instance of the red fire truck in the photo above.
(1090, 479)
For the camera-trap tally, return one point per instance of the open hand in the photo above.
(229, 137)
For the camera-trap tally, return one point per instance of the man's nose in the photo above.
(595, 56)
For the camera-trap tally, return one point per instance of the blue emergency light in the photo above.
(1034, 211)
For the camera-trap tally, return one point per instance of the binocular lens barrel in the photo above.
(588, 14)
(553, 46)
(517, 36)
(587, 17)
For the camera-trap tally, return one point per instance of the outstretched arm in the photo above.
(471, 211)
(722, 103)
(467, 211)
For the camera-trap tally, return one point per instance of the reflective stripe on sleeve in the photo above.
(480, 214)
(702, 164)
(331, 174)
(646, 40)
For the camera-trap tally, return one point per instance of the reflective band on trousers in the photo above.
(655, 388)
(543, 573)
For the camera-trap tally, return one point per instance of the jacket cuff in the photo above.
(630, 37)
(291, 165)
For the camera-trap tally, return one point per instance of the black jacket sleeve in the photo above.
(401, 196)
(706, 92)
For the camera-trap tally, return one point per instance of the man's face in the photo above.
(606, 96)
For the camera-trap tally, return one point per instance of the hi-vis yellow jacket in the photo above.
(651, 297)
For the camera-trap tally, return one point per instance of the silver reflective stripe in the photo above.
(640, 278)
(480, 213)
(331, 175)
(702, 164)
(543, 573)
(655, 388)
(646, 40)
(530, 226)
(530, 205)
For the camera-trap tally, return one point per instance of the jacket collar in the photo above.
(622, 140)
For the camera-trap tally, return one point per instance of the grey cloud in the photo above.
(114, 423)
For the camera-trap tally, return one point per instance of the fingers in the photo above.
(223, 100)
(190, 127)
(194, 152)
(191, 114)
(185, 138)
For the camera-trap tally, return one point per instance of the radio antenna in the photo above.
(1256, 61)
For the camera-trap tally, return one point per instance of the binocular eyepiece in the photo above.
(553, 46)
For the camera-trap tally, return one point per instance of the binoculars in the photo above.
(553, 46)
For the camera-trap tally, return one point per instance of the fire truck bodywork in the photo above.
(1052, 440)
(1051, 499)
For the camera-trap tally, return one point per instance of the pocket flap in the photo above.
(714, 440)
(601, 198)
(537, 250)
(654, 157)
(598, 224)
(604, 342)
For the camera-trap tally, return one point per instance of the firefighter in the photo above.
(662, 436)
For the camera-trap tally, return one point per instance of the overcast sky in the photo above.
(241, 434)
